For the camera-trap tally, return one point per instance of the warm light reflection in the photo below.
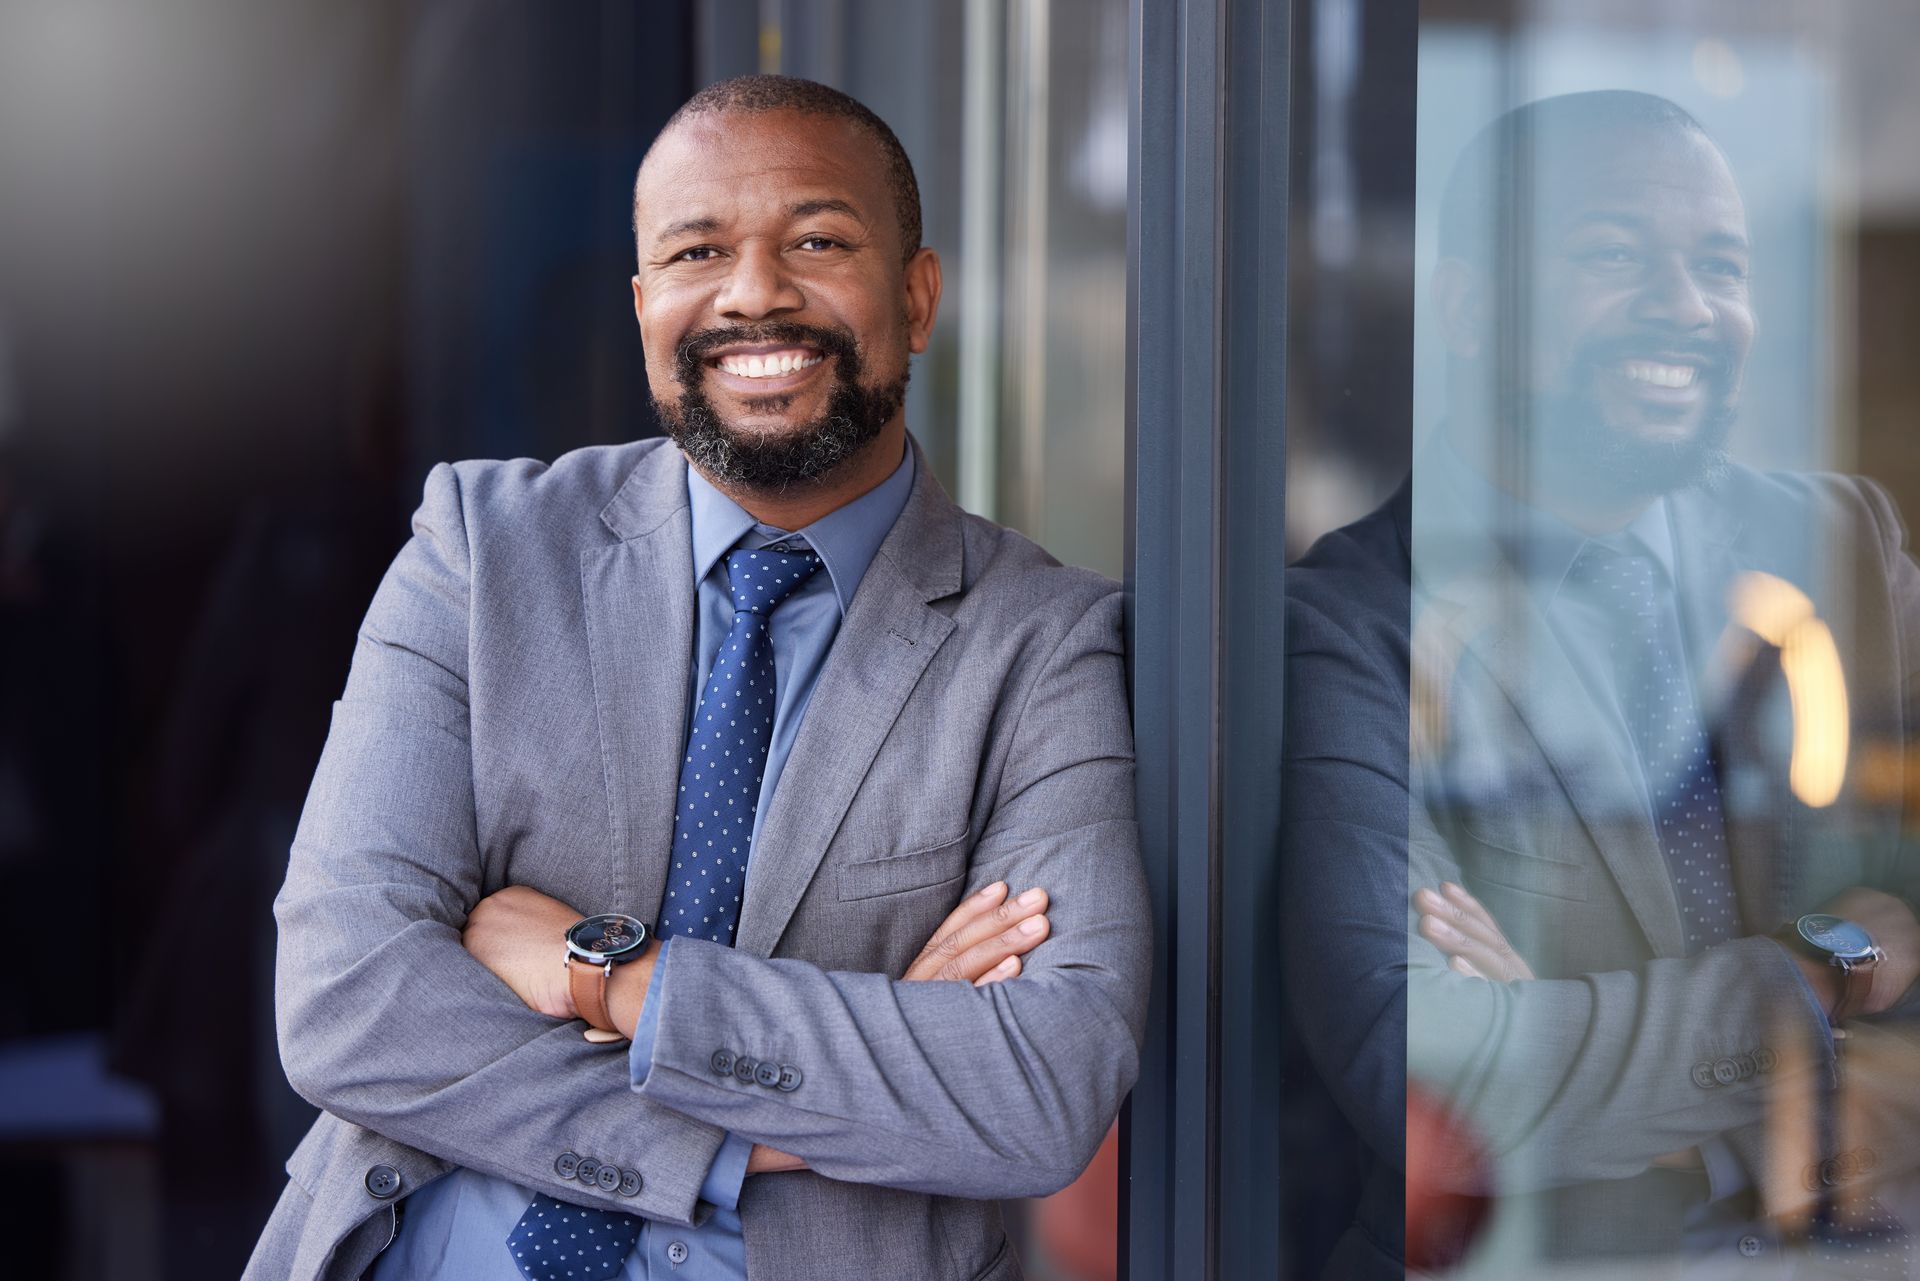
(1782, 615)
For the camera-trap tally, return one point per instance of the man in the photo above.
(788, 708)
(1563, 762)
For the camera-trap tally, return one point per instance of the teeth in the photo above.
(769, 366)
(1659, 375)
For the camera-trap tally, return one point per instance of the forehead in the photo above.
(1674, 181)
(734, 165)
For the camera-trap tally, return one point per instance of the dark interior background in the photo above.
(260, 264)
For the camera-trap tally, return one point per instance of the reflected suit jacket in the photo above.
(1437, 731)
(515, 715)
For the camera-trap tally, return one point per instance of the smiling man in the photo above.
(669, 775)
(1555, 854)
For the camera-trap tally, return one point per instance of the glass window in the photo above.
(1597, 861)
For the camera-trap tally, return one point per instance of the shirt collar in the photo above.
(846, 538)
(1540, 543)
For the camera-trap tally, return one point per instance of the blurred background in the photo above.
(262, 265)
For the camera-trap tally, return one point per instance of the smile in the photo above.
(1656, 374)
(767, 364)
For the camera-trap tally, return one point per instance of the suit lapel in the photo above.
(1581, 744)
(1462, 577)
(639, 596)
(884, 645)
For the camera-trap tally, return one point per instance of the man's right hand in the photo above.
(1891, 924)
(980, 942)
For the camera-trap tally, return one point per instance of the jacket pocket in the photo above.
(1521, 870)
(899, 873)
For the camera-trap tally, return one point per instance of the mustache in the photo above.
(696, 347)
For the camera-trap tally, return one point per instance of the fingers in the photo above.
(1461, 927)
(1007, 969)
(990, 956)
(980, 935)
(944, 943)
(947, 938)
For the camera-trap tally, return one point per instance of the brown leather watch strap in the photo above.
(589, 986)
(1856, 984)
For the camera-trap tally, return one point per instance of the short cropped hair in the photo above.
(1495, 177)
(756, 94)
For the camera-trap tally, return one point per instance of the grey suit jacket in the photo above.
(1437, 732)
(515, 715)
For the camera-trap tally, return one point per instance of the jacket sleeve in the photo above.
(384, 1018)
(1562, 1080)
(945, 1088)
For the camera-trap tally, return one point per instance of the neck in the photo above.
(797, 508)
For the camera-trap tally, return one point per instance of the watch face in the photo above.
(1835, 935)
(609, 937)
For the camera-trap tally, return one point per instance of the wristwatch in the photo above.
(1844, 945)
(594, 946)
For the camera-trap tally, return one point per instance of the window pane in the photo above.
(1598, 814)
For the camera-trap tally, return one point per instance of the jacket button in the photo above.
(587, 1171)
(1764, 1059)
(608, 1178)
(1751, 1246)
(1726, 1071)
(382, 1182)
(790, 1077)
(567, 1164)
(1703, 1076)
(629, 1183)
(767, 1074)
(722, 1062)
(743, 1068)
(1747, 1064)
(676, 1252)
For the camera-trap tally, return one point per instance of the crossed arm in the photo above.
(513, 933)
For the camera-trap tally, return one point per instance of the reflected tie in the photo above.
(1656, 700)
(720, 775)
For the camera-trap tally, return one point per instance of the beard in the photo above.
(774, 462)
(1576, 443)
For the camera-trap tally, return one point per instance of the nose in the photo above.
(758, 286)
(1673, 297)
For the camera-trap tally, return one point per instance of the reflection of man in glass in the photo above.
(1581, 690)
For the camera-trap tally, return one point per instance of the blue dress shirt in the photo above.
(455, 1229)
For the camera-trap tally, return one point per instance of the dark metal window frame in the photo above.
(1207, 241)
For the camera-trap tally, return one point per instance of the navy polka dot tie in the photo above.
(720, 775)
(1656, 699)
(727, 754)
(554, 1241)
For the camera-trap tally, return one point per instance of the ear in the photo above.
(637, 302)
(1462, 303)
(923, 284)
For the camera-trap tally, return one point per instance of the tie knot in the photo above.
(761, 579)
(1625, 580)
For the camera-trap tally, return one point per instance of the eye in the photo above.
(819, 244)
(1610, 256)
(1724, 268)
(699, 253)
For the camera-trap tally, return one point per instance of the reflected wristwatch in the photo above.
(1844, 945)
